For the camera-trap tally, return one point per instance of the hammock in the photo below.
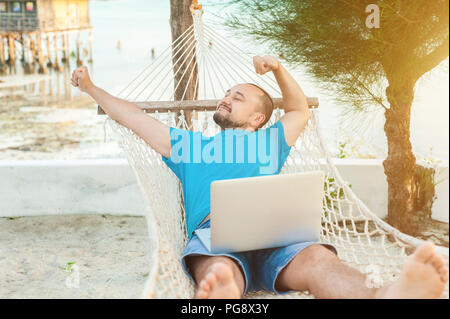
(210, 64)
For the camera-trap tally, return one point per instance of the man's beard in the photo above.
(225, 122)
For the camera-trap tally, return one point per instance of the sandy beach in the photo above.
(110, 252)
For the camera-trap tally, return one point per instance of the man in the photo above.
(198, 160)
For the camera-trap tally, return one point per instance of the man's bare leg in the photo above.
(218, 277)
(319, 270)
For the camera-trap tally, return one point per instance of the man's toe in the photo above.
(425, 252)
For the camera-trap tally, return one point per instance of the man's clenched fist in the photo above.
(265, 64)
(81, 79)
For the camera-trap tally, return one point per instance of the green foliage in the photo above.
(68, 267)
(333, 192)
(331, 40)
(341, 150)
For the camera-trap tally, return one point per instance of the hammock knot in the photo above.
(195, 7)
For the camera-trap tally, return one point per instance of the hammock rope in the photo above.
(363, 240)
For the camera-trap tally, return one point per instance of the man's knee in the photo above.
(314, 255)
(299, 271)
(310, 258)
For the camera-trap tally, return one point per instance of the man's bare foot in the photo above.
(424, 276)
(219, 283)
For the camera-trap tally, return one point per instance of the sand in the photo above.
(111, 253)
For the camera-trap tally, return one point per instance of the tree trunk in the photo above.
(180, 20)
(400, 164)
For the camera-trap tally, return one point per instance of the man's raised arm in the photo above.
(295, 103)
(152, 131)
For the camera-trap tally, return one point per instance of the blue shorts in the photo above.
(260, 267)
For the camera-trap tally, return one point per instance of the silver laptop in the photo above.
(264, 212)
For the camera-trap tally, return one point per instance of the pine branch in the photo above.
(433, 59)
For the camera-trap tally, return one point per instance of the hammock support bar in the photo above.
(197, 105)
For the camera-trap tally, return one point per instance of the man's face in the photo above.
(239, 108)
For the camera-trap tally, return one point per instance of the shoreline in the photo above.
(17, 80)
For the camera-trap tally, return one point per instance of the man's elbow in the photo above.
(307, 113)
(304, 115)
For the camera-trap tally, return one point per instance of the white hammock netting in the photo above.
(363, 240)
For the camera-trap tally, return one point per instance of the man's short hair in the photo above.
(266, 104)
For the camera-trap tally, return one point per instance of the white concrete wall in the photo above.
(440, 207)
(367, 180)
(369, 183)
(45, 187)
(107, 186)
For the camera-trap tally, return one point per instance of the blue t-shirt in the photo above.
(198, 160)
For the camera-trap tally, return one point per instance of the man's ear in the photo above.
(258, 119)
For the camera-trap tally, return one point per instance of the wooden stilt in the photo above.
(15, 50)
(69, 53)
(40, 54)
(2, 56)
(25, 61)
(49, 52)
(22, 41)
(11, 53)
(79, 62)
(30, 47)
(90, 47)
(56, 64)
(33, 50)
(65, 57)
(8, 49)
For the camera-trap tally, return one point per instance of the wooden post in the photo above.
(68, 47)
(56, 65)
(30, 47)
(11, 52)
(22, 40)
(15, 49)
(49, 52)
(25, 46)
(9, 49)
(65, 57)
(2, 56)
(90, 47)
(180, 20)
(79, 62)
(32, 50)
(40, 55)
